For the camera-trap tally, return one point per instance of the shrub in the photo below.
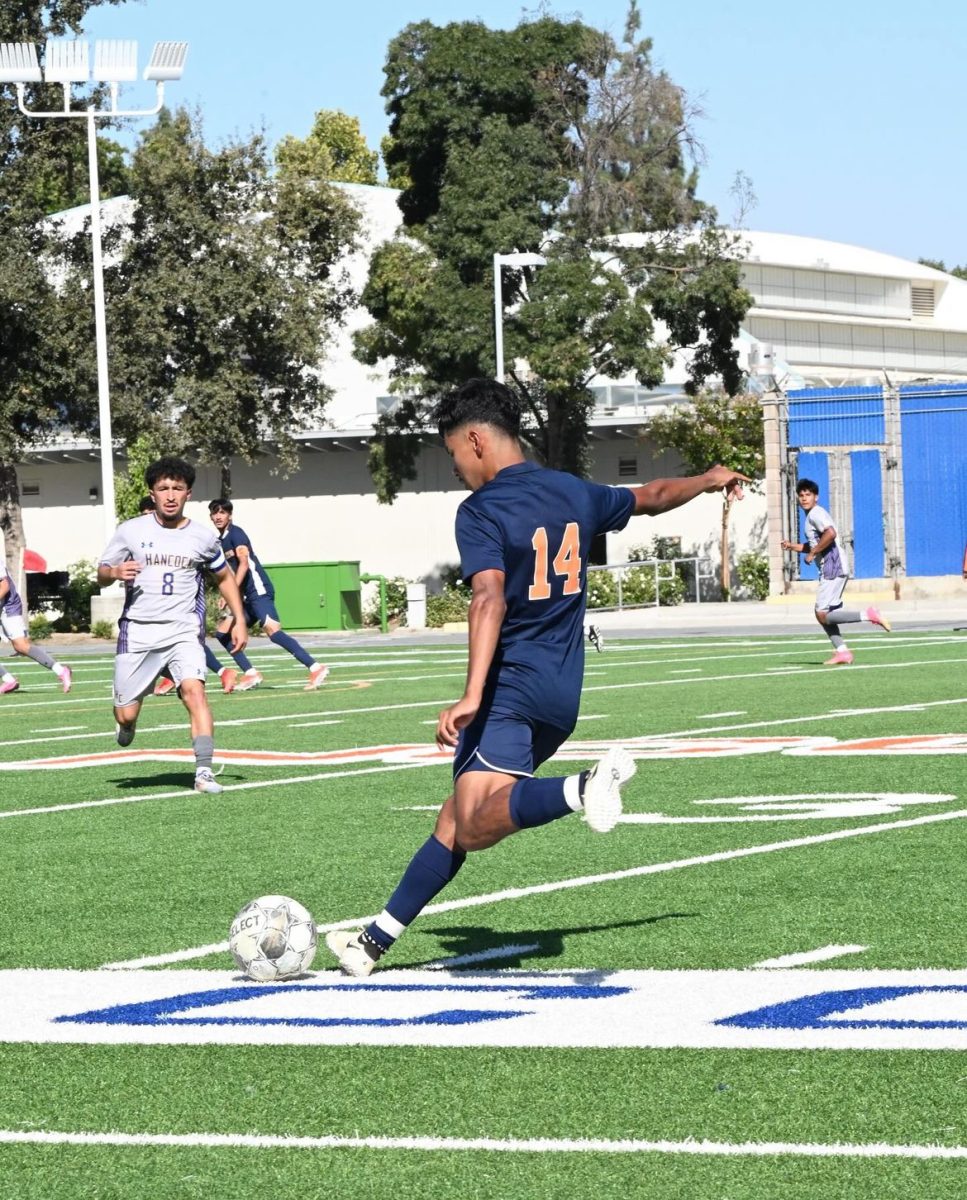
(638, 586)
(449, 605)
(103, 629)
(39, 628)
(395, 603)
(602, 589)
(753, 572)
(81, 585)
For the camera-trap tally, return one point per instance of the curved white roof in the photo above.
(795, 250)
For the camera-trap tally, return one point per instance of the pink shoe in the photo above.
(875, 617)
(228, 676)
(842, 658)
(67, 679)
(10, 685)
(164, 686)
(247, 682)
(317, 677)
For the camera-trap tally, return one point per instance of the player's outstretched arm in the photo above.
(232, 597)
(662, 495)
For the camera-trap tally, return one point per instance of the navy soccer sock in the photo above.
(241, 658)
(429, 872)
(281, 638)
(211, 662)
(536, 802)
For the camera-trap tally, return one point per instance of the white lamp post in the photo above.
(66, 61)
(518, 260)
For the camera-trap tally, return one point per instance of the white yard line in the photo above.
(464, 960)
(823, 954)
(690, 1146)
(187, 793)
(739, 712)
(560, 885)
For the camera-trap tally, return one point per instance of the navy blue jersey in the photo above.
(256, 582)
(536, 526)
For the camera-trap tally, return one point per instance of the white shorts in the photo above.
(136, 671)
(12, 626)
(830, 593)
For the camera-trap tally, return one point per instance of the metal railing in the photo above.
(664, 571)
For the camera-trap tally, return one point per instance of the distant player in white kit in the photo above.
(161, 558)
(13, 627)
(821, 547)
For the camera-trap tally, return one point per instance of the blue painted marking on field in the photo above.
(168, 1010)
(827, 1010)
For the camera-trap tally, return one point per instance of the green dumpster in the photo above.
(319, 595)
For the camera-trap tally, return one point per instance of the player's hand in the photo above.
(810, 557)
(222, 603)
(128, 570)
(458, 716)
(723, 477)
(788, 545)
(239, 636)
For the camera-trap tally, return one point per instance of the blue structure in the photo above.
(891, 465)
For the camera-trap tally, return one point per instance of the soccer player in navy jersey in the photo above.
(258, 597)
(524, 536)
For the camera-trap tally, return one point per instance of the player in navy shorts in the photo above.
(524, 536)
(258, 598)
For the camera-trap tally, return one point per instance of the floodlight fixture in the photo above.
(66, 60)
(115, 61)
(18, 63)
(167, 62)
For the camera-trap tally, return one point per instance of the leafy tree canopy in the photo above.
(335, 150)
(549, 138)
(938, 265)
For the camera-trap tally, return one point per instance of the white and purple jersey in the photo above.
(11, 604)
(165, 603)
(830, 561)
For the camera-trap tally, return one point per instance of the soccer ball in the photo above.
(273, 937)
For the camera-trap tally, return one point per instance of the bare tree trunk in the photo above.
(11, 525)
(226, 480)
(726, 575)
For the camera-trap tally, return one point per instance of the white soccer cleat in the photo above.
(602, 792)
(354, 957)
(595, 638)
(317, 677)
(248, 681)
(205, 781)
(124, 734)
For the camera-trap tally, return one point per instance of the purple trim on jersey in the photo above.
(12, 604)
(832, 564)
(123, 627)
(200, 607)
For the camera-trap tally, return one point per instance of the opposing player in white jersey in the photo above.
(14, 628)
(161, 558)
(821, 547)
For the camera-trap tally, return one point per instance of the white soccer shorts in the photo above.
(136, 671)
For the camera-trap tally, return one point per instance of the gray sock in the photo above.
(40, 655)
(204, 747)
(833, 633)
(847, 618)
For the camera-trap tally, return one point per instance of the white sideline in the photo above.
(537, 889)
(257, 1141)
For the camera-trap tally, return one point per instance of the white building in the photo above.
(825, 313)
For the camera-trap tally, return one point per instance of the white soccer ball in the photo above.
(273, 937)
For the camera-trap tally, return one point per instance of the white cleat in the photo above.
(205, 781)
(317, 677)
(248, 681)
(595, 638)
(602, 792)
(124, 734)
(354, 957)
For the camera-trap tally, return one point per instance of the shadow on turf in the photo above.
(172, 779)
(457, 941)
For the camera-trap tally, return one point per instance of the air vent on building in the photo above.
(922, 299)
(29, 488)
(628, 467)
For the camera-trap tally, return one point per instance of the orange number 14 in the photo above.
(567, 562)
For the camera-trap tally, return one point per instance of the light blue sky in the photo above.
(847, 115)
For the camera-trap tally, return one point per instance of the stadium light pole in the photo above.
(517, 259)
(66, 62)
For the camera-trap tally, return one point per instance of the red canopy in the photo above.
(33, 561)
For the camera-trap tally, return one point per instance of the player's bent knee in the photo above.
(822, 617)
(20, 645)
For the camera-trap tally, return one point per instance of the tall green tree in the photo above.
(552, 138)
(939, 265)
(227, 289)
(715, 428)
(335, 151)
(45, 368)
